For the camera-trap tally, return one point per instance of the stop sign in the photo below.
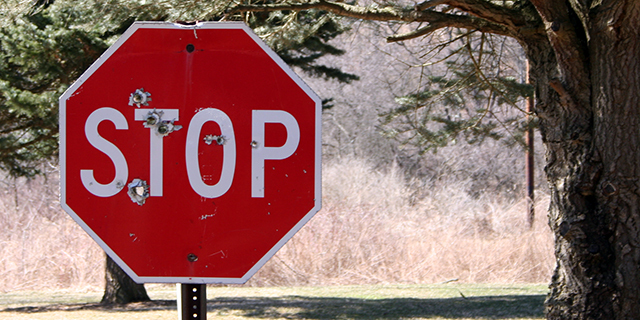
(190, 154)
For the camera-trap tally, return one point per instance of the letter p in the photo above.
(260, 153)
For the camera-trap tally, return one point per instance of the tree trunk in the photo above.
(616, 99)
(587, 80)
(120, 288)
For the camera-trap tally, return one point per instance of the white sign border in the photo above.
(201, 25)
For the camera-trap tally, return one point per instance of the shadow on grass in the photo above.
(297, 307)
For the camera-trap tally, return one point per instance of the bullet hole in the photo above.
(190, 48)
(220, 140)
(138, 191)
(254, 144)
(162, 127)
(152, 119)
(139, 98)
(192, 257)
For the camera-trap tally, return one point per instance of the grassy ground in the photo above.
(443, 301)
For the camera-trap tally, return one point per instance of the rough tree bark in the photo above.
(615, 41)
(585, 69)
(120, 288)
(588, 103)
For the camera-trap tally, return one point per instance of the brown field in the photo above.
(371, 230)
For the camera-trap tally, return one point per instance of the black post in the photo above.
(530, 175)
(192, 302)
(529, 162)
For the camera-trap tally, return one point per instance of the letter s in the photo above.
(108, 148)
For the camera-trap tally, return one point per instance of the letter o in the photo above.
(229, 153)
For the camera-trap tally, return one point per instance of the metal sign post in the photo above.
(192, 301)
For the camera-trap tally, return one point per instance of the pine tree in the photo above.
(45, 45)
(44, 48)
(473, 94)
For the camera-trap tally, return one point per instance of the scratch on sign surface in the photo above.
(206, 216)
(224, 255)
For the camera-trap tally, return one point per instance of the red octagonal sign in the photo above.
(191, 154)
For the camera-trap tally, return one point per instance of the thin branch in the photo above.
(489, 11)
(445, 45)
(484, 79)
(414, 34)
(472, 23)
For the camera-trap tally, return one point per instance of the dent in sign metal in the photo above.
(240, 177)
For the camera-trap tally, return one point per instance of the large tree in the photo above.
(584, 57)
(584, 61)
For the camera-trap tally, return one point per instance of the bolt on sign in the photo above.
(190, 154)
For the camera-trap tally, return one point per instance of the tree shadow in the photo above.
(299, 307)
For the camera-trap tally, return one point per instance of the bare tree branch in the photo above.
(454, 21)
(489, 11)
(429, 4)
(436, 20)
(414, 34)
(339, 8)
(480, 8)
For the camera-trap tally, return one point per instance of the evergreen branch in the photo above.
(455, 85)
(504, 126)
(486, 81)
(289, 20)
(441, 46)
(17, 128)
(8, 151)
(486, 111)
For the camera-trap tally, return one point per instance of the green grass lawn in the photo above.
(441, 301)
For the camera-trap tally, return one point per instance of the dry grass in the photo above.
(371, 230)
(40, 246)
